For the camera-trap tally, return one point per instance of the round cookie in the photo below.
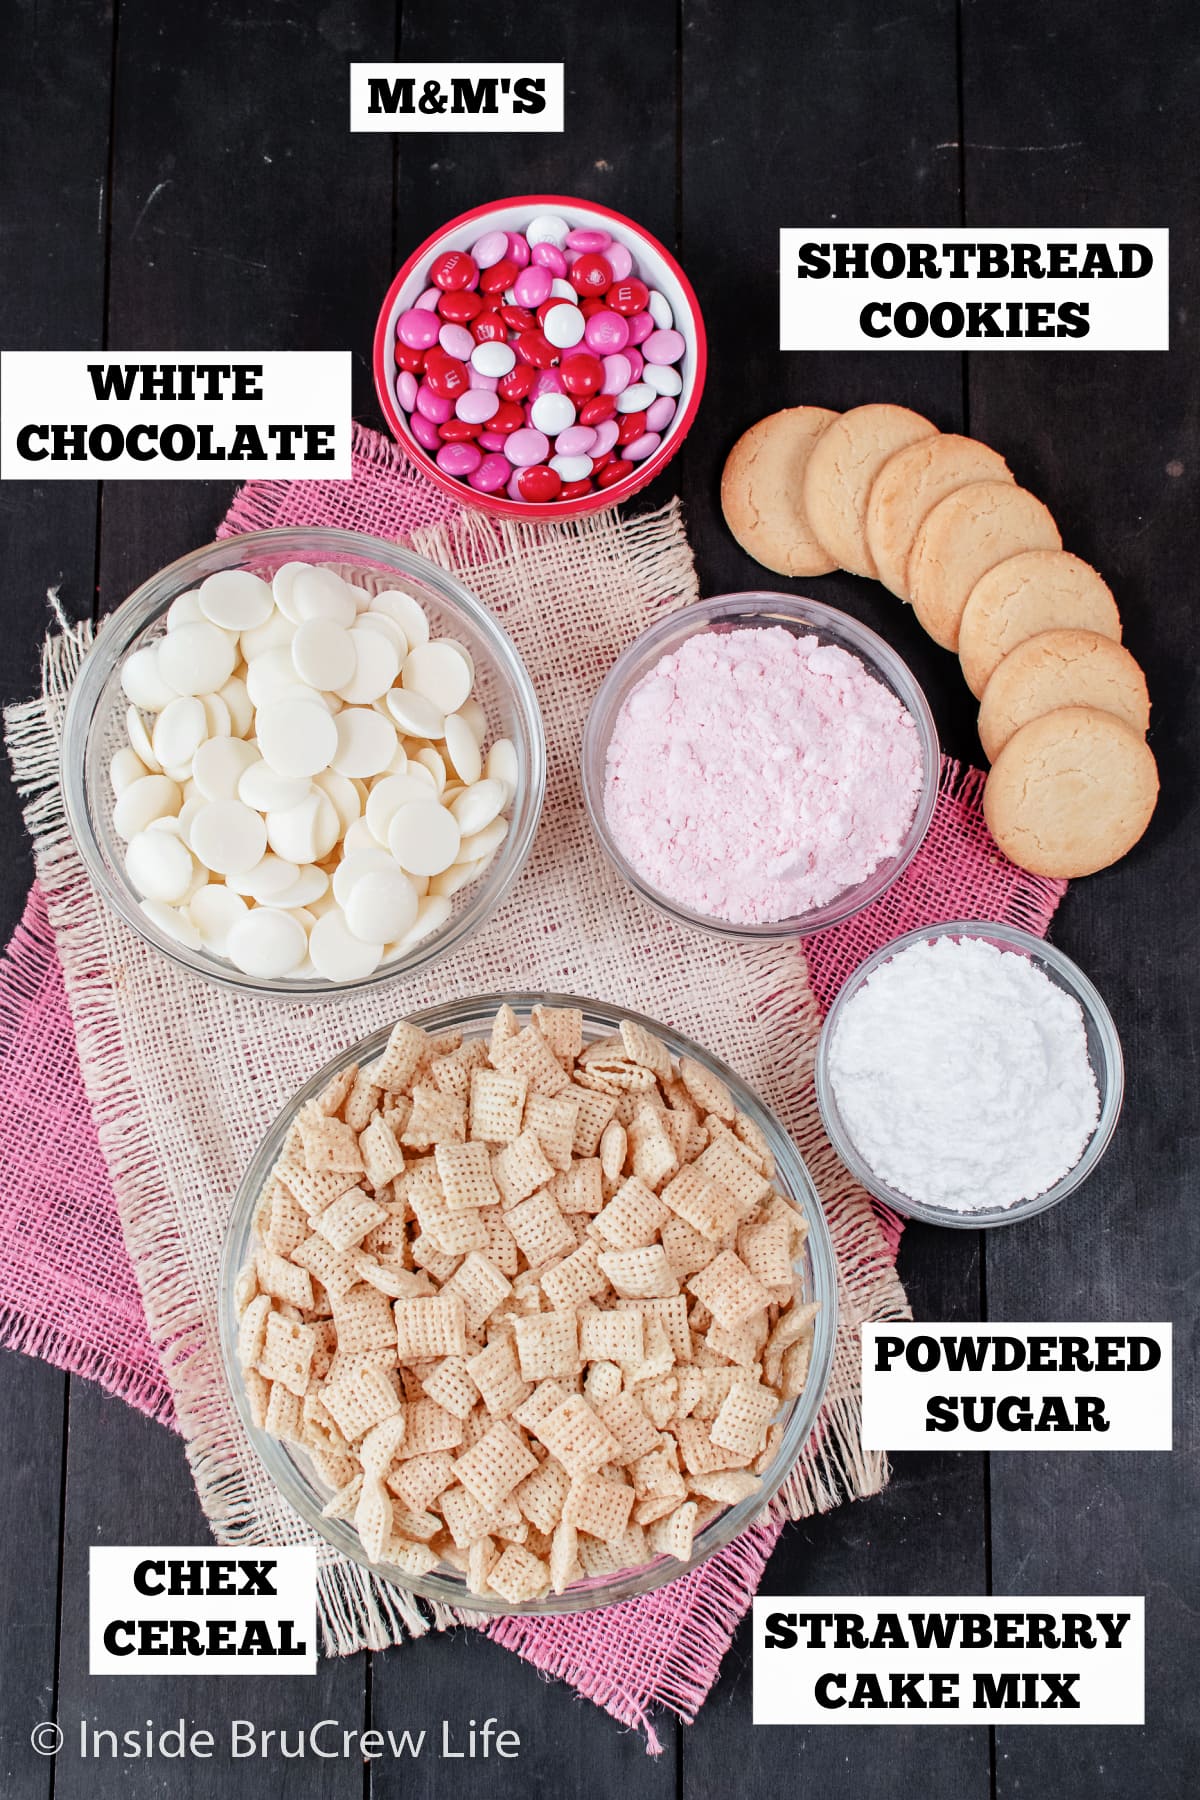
(964, 536)
(907, 489)
(762, 491)
(1056, 669)
(1070, 792)
(1036, 591)
(841, 473)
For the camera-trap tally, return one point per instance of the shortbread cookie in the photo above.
(1070, 792)
(762, 491)
(841, 473)
(1039, 590)
(965, 535)
(907, 489)
(1061, 668)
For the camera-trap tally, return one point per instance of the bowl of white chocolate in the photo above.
(302, 762)
(528, 1304)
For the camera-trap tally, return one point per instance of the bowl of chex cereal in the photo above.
(528, 1304)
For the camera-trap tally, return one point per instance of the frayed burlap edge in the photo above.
(358, 1609)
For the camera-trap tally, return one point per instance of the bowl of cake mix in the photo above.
(969, 1074)
(760, 765)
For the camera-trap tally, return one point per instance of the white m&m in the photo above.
(305, 758)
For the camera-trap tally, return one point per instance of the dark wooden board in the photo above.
(1113, 445)
(128, 1483)
(53, 166)
(33, 1438)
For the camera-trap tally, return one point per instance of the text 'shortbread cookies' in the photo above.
(908, 487)
(762, 491)
(1036, 591)
(1070, 792)
(965, 535)
(841, 473)
(1056, 669)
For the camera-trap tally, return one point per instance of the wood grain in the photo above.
(1112, 443)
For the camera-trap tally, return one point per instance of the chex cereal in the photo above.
(529, 1305)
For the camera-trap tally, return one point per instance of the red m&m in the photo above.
(453, 269)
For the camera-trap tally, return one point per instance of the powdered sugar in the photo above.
(753, 775)
(961, 1073)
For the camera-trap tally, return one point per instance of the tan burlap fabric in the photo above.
(184, 1077)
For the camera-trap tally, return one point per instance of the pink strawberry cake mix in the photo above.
(753, 775)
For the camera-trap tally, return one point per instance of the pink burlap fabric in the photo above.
(70, 1293)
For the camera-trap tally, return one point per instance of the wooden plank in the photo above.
(1112, 443)
(53, 161)
(32, 1414)
(618, 148)
(53, 200)
(246, 216)
(842, 131)
(128, 1482)
(567, 1745)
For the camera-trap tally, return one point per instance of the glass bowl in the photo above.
(94, 727)
(1104, 1054)
(655, 265)
(751, 611)
(289, 1467)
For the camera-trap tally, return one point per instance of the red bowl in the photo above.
(652, 261)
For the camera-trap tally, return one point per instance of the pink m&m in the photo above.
(459, 459)
(607, 433)
(525, 447)
(618, 373)
(457, 341)
(406, 389)
(532, 285)
(538, 364)
(491, 474)
(425, 431)
(418, 328)
(435, 407)
(620, 260)
(549, 256)
(489, 249)
(576, 440)
(643, 446)
(583, 239)
(477, 406)
(606, 332)
(660, 413)
(664, 347)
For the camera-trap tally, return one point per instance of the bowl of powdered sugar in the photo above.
(760, 765)
(969, 1074)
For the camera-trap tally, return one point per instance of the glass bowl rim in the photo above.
(803, 1415)
(878, 657)
(1110, 1076)
(117, 634)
